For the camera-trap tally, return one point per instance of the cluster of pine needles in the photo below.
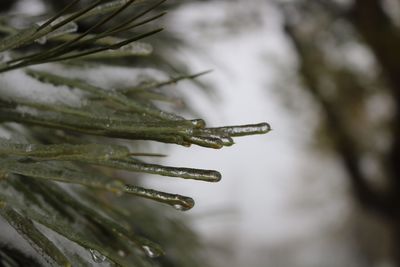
(38, 195)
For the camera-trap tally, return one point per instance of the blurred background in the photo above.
(323, 188)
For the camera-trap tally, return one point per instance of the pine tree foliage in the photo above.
(61, 187)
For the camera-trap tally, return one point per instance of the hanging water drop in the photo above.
(179, 207)
(228, 141)
(150, 252)
(97, 256)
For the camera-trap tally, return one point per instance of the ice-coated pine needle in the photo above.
(177, 201)
(241, 130)
(28, 230)
(138, 166)
(63, 151)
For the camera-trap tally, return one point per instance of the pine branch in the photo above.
(62, 179)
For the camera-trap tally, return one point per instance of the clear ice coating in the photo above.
(70, 27)
(138, 48)
(186, 203)
(242, 130)
(260, 128)
(150, 252)
(198, 123)
(97, 256)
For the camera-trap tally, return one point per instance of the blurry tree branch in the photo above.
(344, 145)
(383, 38)
(312, 28)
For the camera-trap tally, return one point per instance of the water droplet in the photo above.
(121, 253)
(179, 207)
(42, 40)
(228, 141)
(199, 123)
(97, 256)
(150, 252)
(182, 203)
(264, 127)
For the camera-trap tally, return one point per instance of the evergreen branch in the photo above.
(29, 195)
